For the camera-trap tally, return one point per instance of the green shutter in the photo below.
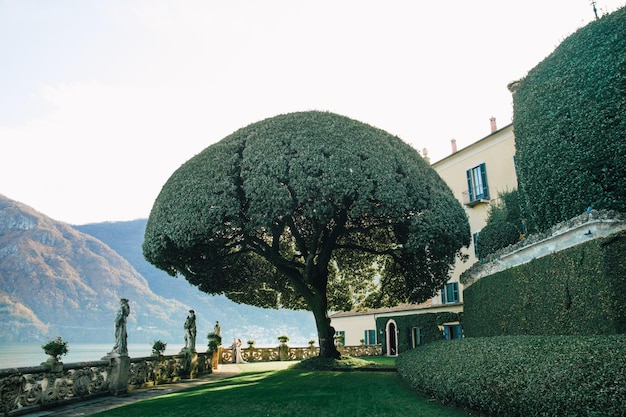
(455, 292)
(483, 176)
(469, 185)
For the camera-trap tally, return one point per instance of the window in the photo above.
(340, 337)
(369, 337)
(453, 332)
(450, 293)
(478, 188)
(417, 337)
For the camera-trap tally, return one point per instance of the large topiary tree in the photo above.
(308, 210)
(570, 125)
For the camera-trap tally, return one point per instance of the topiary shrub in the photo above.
(523, 375)
(570, 117)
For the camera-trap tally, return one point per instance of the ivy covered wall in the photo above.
(577, 291)
(569, 114)
(428, 323)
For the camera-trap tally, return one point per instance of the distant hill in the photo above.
(57, 281)
(62, 280)
(237, 320)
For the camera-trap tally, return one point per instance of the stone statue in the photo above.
(121, 338)
(190, 331)
(217, 329)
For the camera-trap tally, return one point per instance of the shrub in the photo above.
(215, 340)
(504, 225)
(523, 375)
(495, 236)
(569, 125)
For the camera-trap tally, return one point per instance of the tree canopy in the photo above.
(570, 125)
(308, 210)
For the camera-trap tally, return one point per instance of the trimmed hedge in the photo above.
(495, 236)
(577, 291)
(523, 375)
(570, 117)
(428, 322)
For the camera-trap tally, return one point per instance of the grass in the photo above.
(347, 363)
(262, 391)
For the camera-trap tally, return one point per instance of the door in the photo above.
(392, 338)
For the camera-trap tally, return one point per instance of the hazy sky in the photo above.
(100, 101)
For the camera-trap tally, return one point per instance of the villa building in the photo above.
(476, 174)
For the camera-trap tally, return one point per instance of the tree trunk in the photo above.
(325, 333)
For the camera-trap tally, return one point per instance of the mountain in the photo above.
(62, 280)
(236, 320)
(55, 280)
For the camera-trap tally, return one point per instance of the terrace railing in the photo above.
(27, 389)
(52, 384)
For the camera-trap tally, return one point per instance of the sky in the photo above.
(102, 100)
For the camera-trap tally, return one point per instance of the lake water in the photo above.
(30, 354)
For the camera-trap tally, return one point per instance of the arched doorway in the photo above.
(392, 338)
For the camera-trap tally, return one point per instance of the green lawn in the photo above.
(382, 360)
(258, 391)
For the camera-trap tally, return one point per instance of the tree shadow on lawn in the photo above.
(294, 392)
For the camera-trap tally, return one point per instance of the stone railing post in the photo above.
(120, 373)
(190, 363)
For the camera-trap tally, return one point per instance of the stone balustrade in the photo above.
(294, 353)
(53, 383)
(22, 389)
(26, 389)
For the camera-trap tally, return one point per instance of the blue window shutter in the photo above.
(459, 331)
(455, 292)
(475, 238)
(470, 187)
(443, 295)
(483, 175)
(446, 332)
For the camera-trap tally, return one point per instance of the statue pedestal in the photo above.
(190, 363)
(120, 371)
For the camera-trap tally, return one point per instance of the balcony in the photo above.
(476, 200)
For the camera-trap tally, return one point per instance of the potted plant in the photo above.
(311, 343)
(251, 343)
(55, 348)
(215, 341)
(283, 338)
(158, 347)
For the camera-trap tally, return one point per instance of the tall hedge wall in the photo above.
(569, 115)
(576, 291)
(428, 322)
